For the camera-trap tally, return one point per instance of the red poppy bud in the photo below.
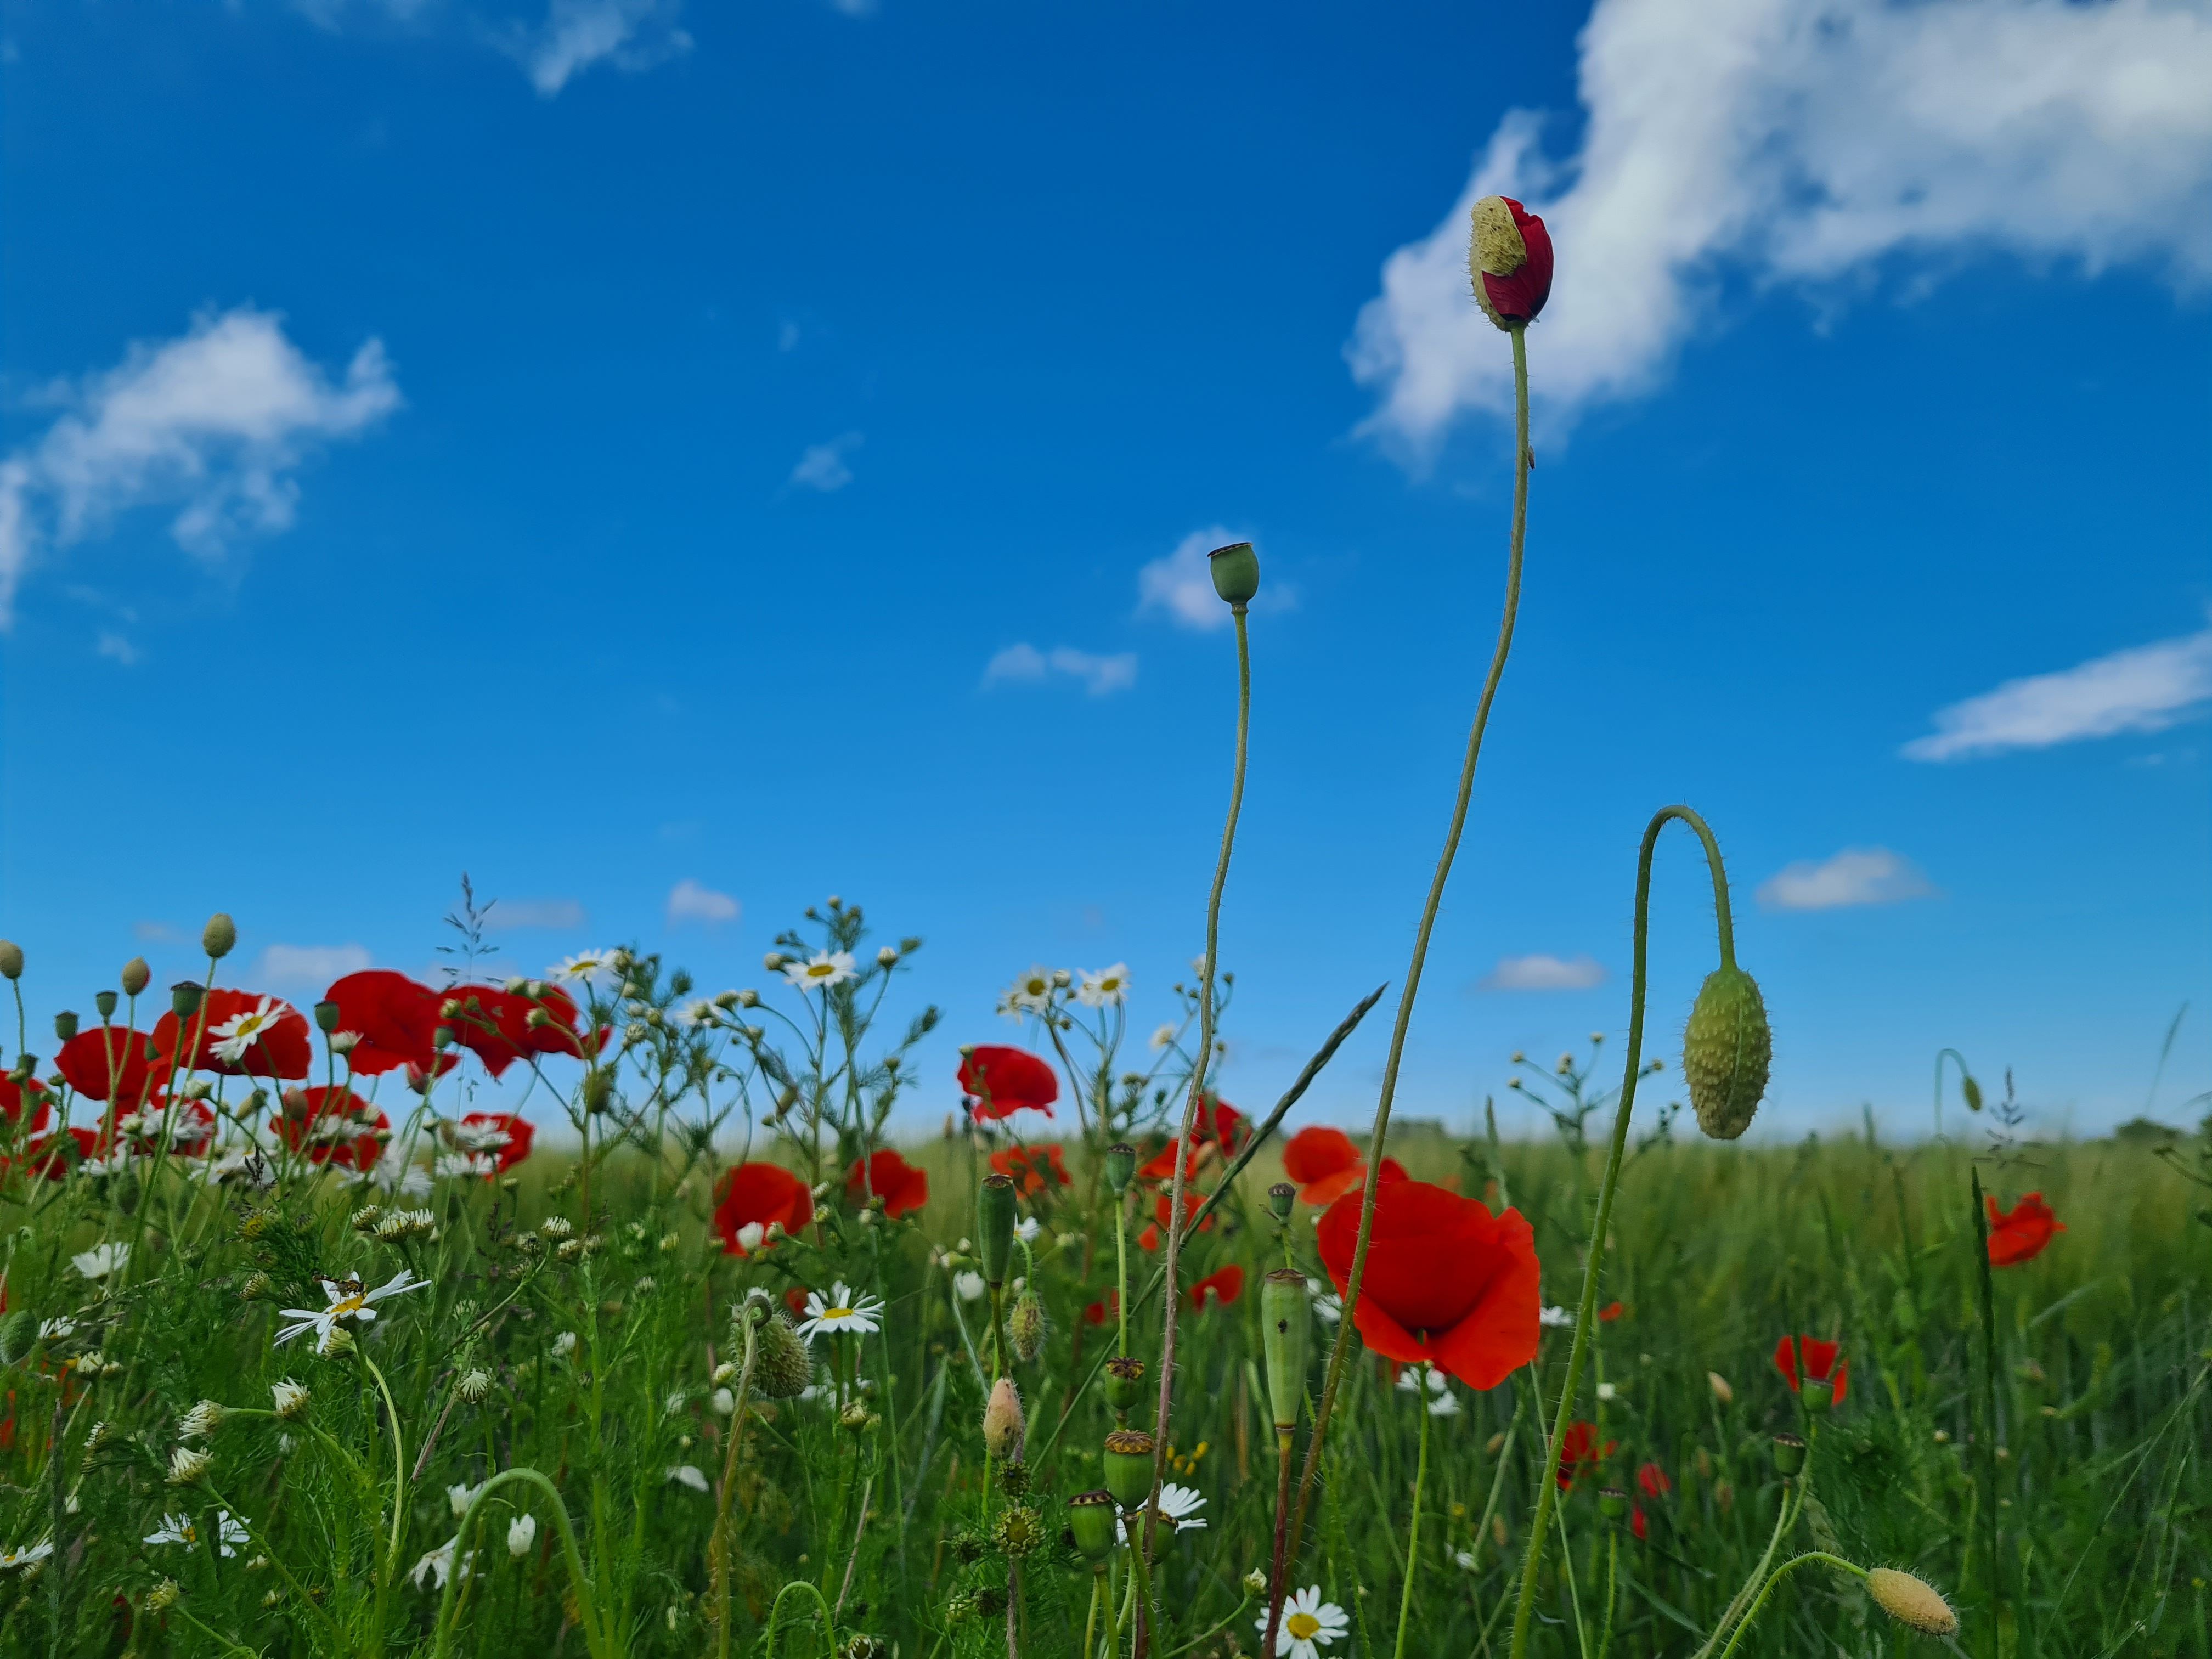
(1510, 262)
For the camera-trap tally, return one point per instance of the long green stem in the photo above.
(721, 1541)
(399, 1469)
(1342, 1347)
(1611, 1588)
(1414, 1530)
(1586, 1316)
(1989, 1457)
(1794, 1561)
(1783, 1517)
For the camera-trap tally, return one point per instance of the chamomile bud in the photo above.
(163, 1595)
(474, 1387)
(187, 1464)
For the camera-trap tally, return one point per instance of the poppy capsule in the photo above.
(994, 1227)
(1285, 1337)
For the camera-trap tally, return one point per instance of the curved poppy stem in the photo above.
(1963, 1075)
(1522, 459)
(1836, 1561)
(1586, 1314)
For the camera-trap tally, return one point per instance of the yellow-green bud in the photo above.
(220, 937)
(1727, 1048)
(1091, 1518)
(11, 959)
(1973, 1091)
(1025, 1327)
(994, 1227)
(136, 976)
(1912, 1601)
(1285, 1336)
(1236, 572)
(1129, 1458)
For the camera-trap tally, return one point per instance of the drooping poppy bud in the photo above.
(1971, 1091)
(137, 975)
(1128, 1459)
(1510, 262)
(1285, 1335)
(1727, 1048)
(994, 1227)
(783, 1366)
(1125, 1383)
(1121, 1166)
(1912, 1601)
(1236, 572)
(1090, 1516)
(220, 937)
(1003, 1425)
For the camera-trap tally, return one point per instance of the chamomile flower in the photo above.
(1556, 1319)
(1030, 993)
(179, 1530)
(437, 1566)
(246, 1166)
(242, 1031)
(696, 1014)
(1327, 1305)
(28, 1556)
(845, 1311)
(1103, 988)
(1310, 1625)
(59, 1326)
(459, 1498)
(1441, 1403)
(348, 1300)
(521, 1533)
(1182, 1504)
(456, 1166)
(1027, 1229)
(586, 965)
(479, 1137)
(969, 1285)
(100, 1260)
(684, 1475)
(823, 969)
(1164, 1038)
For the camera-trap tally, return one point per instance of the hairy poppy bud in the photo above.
(782, 1364)
(64, 1025)
(1128, 1461)
(105, 1001)
(1025, 1328)
(11, 959)
(137, 975)
(1280, 1197)
(1727, 1048)
(1121, 1166)
(1002, 1422)
(220, 937)
(1972, 1091)
(1236, 572)
(994, 1227)
(185, 998)
(1285, 1334)
(1091, 1518)
(1125, 1381)
(1912, 1601)
(1510, 262)
(1788, 1454)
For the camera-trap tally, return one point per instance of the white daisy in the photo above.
(1182, 1504)
(1105, 988)
(438, 1564)
(1164, 1038)
(459, 1497)
(968, 1285)
(479, 1137)
(59, 1326)
(521, 1533)
(1032, 990)
(179, 1530)
(696, 1014)
(1441, 1400)
(845, 1309)
(1327, 1305)
(750, 1236)
(826, 969)
(455, 1166)
(242, 1031)
(686, 1475)
(29, 1556)
(183, 1128)
(585, 965)
(116, 1163)
(1556, 1319)
(100, 1260)
(348, 1301)
(1310, 1625)
(246, 1166)
(1026, 1229)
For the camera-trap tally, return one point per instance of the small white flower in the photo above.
(968, 1285)
(438, 1564)
(564, 1345)
(1463, 1560)
(1182, 1504)
(845, 1311)
(1027, 1229)
(291, 1397)
(179, 1530)
(750, 1236)
(1327, 1305)
(1030, 992)
(182, 1127)
(100, 1260)
(585, 965)
(724, 1402)
(824, 969)
(1163, 1038)
(1555, 1319)
(28, 1556)
(1105, 988)
(521, 1533)
(1441, 1403)
(1608, 1392)
(242, 1031)
(187, 1464)
(454, 1166)
(344, 1042)
(60, 1326)
(696, 1014)
(348, 1300)
(202, 1421)
(685, 1475)
(1310, 1625)
(480, 1137)
(116, 1163)
(459, 1497)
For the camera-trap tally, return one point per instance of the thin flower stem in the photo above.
(398, 1470)
(1275, 1586)
(1091, 1621)
(1380, 1137)
(1414, 1528)
(1208, 966)
(1122, 1261)
(719, 1542)
(1611, 1588)
(1794, 1561)
(1586, 1316)
(1782, 1519)
(1987, 1308)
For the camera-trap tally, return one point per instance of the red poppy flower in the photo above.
(898, 1183)
(44, 1157)
(13, 1096)
(1218, 1127)
(1446, 1281)
(1224, 1285)
(480, 1132)
(2018, 1234)
(794, 1297)
(1818, 1358)
(394, 1016)
(332, 1125)
(1002, 1081)
(1033, 1168)
(93, 1058)
(1636, 1523)
(1327, 1166)
(496, 1027)
(1579, 1452)
(1652, 1481)
(1519, 295)
(267, 1036)
(1105, 1308)
(1611, 1311)
(759, 1195)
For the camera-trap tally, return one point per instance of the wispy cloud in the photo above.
(1099, 674)
(1544, 973)
(292, 967)
(509, 915)
(116, 648)
(153, 933)
(1802, 143)
(629, 35)
(688, 901)
(2146, 688)
(823, 467)
(216, 423)
(1857, 875)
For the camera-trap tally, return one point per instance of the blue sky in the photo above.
(675, 465)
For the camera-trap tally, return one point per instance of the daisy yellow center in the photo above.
(837, 1313)
(1036, 987)
(191, 1534)
(820, 969)
(1302, 1625)
(349, 1305)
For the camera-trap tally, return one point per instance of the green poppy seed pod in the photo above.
(782, 1366)
(1125, 1381)
(994, 1227)
(105, 1001)
(64, 1026)
(1121, 1166)
(1285, 1337)
(1128, 1459)
(1236, 572)
(1818, 1394)
(1025, 1327)
(1726, 1050)
(185, 998)
(326, 1016)
(1611, 1503)
(137, 976)
(1002, 1422)
(220, 937)
(1280, 1197)
(1091, 1518)
(1788, 1454)
(1912, 1601)
(11, 959)
(1973, 1091)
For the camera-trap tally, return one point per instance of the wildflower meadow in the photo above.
(702, 1343)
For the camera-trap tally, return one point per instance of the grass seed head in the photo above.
(1727, 1049)
(1912, 1601)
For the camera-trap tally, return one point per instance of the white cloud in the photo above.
(1802, 141)
(115, 646)
(1545, 973)
(1857, 875)
(216, 423)
(509, 915)
(689, 901)
(155, 933)
(630, 35)
(823, 467)
(2146, 688)
(1180, 584)
(1099, 674)
(310, 965)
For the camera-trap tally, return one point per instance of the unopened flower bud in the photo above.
(202, 1421)
(1002, 1422)
(1286, 1334)
(220, 937)
(11, 959)
(257, 1287)
(1727, 1048)
(1236, 572)
(783, 1366)
(163, 1595)
(1091, 1516)
(1972, 1091)
(1719, 1385)
(187, 1464)
(1128, 1460)
(773, 962)
(1025, 1327)
(521, 1533)
(136, 976)
(1509, 261)
(1912, 1601)
(995, 1226)
(1121, 1166)
(474, 1387)
(64, 1026)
